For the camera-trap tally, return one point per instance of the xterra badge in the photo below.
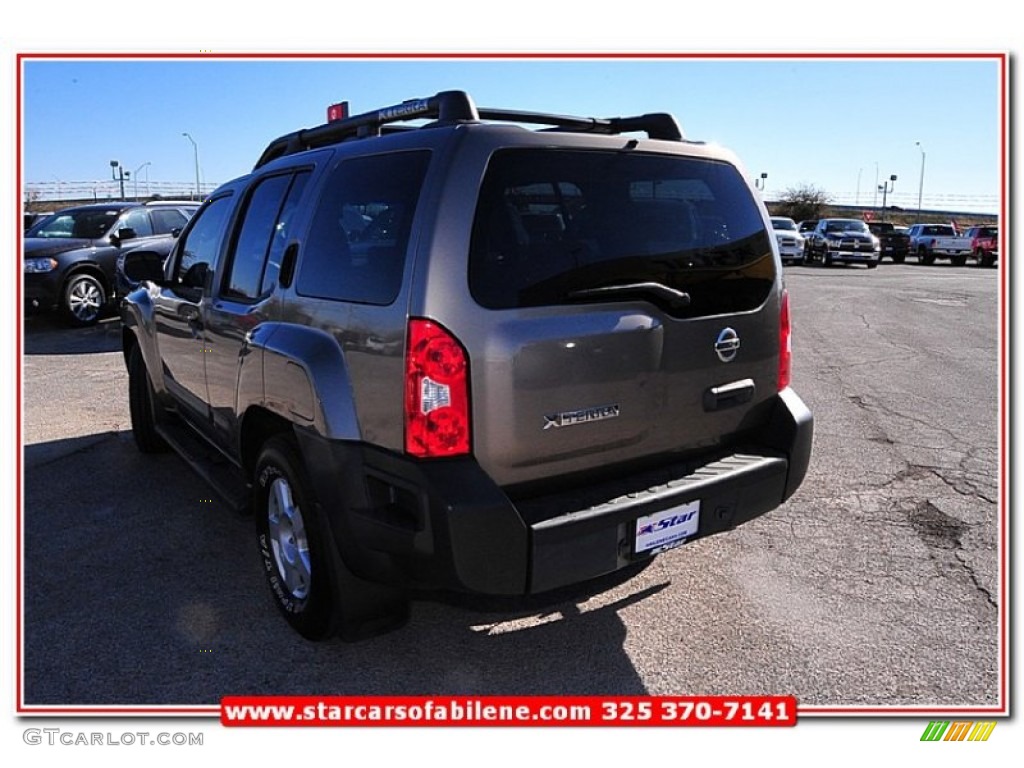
(568, 418)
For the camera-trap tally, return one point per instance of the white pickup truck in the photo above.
(939, 241)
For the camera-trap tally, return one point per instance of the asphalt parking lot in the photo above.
(875, 585)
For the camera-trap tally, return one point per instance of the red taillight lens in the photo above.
(785, 343)
(436, 392)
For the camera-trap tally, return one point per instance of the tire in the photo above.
(826, 258)
(924, 257)
(83, 300)
(958, 261)
(899, 258)
(311, 586)
(873, 264)
(291, 543)
(141, 406)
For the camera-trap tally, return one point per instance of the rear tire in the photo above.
(142, 406)
(292, 546)
(899, 258)
(958, 261)
(312, 587)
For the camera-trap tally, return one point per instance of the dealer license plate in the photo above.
(668, 528)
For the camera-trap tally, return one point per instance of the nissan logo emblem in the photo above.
(727, 345)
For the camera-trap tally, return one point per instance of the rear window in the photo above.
(553, 225)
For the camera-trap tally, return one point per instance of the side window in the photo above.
(358, 238)
(202, 243)
(258, 228)
(283, 232)
(138, 220)
(166, 220)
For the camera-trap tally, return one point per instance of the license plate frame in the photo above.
(667, 529)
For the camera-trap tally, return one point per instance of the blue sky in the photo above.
(838, 124)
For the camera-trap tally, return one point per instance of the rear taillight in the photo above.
(785, 343)
(436, 392)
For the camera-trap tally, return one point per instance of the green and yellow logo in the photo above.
(959, 730)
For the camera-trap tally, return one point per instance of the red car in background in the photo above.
(984, 245)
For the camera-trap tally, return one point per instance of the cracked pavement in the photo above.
(876, 585)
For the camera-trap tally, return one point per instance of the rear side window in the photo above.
(264, 233)
(138, 221)
(358, 238)
(166, 220)
(552, 225)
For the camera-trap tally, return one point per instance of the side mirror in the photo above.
(175, 232)
(144, 265)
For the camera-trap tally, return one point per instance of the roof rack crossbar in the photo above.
(445, 107)
(457, 106)
(658, 125)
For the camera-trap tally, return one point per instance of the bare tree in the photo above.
(803, 202)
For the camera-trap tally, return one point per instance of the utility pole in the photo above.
(920, 185)
(885, 189)
(195, 151)
(118, 173)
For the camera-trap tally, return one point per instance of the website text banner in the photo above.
(490, 711)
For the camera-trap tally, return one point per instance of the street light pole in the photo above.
(885, 189)
(118, 173)
(920, 186)
(195, 150)
(135, 175)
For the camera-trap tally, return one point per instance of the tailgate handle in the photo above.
(727, 395)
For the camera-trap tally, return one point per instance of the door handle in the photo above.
(728, 395)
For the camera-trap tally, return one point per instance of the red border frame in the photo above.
(1004, 497)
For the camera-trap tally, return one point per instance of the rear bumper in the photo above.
(446, 524)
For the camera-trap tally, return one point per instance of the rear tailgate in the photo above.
(626, 306)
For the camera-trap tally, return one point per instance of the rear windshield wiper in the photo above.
(675, 299)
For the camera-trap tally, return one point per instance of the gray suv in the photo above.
(471, 355)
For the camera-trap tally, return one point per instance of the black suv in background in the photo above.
(70, 256)
(894, 241)
(471, 355)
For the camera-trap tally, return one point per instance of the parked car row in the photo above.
(832, 240)
(943, 241)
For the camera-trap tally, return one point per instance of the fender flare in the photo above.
(305, 379)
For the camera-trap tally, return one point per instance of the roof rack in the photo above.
(457, 107)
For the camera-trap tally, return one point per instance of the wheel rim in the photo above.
(85, 299)
(288, 539)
